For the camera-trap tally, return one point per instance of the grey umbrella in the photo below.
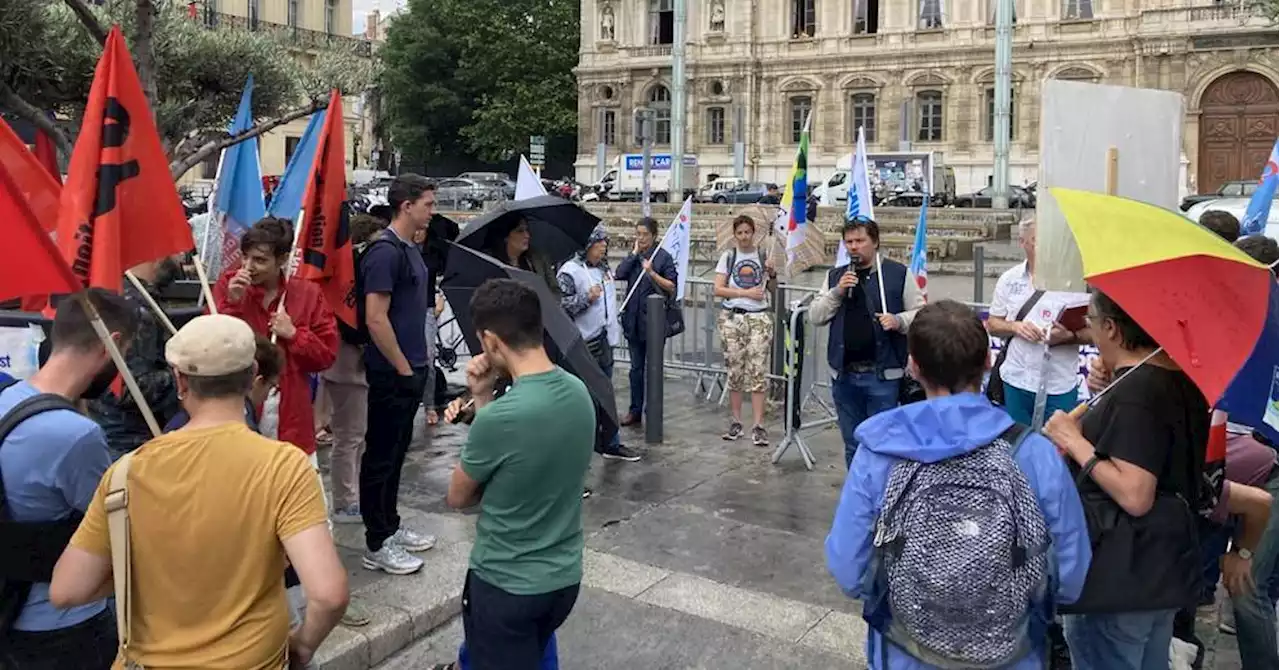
(467, 269)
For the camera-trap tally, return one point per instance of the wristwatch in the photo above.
(1244, 553)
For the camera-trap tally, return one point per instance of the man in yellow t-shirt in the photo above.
(215, 510)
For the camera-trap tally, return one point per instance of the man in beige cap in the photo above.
(210, 506)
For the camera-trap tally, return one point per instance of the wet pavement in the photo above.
(702, 555)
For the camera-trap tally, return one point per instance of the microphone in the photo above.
(854, 261)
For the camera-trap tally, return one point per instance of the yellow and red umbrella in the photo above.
(1200, 298)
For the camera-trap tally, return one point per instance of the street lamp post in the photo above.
(675, 192)
(1002, 102)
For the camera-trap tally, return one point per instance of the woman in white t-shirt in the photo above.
(743, 275)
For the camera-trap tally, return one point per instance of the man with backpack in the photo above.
(393, 289)
(957, 528)
(51, 460)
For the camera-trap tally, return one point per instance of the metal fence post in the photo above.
(979, 272)
(656, 334)
(779, 330)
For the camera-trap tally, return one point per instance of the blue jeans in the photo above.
(859, 395)
(1256, 612)
(1021, 405)
(638, 350)
(1121, 641)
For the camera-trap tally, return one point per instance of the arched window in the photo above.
(862, 112)
(715, 125)
(660, 101)
(801, 109)
(929, 116)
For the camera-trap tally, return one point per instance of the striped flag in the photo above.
(792, 220)
(919, 250)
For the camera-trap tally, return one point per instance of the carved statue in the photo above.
(717, 16)
(606, 23)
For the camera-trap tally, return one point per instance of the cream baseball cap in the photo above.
(211, 345)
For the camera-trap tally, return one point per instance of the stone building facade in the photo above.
(921, 71)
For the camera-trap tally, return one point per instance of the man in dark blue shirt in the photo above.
(397, 296)
(655, 273)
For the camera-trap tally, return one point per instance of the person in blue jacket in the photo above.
(948, 356)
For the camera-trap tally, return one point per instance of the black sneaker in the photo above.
(759, 437)
(620, 453)
(735, 431)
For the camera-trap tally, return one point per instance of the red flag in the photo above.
(119, 206)
(38, 190)
(47, 153)
(41, 270)
(324, 243)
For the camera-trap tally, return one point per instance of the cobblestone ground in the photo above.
(702, 555)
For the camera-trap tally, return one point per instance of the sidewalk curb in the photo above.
(403, 609)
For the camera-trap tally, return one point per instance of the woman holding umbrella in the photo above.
(513, 249)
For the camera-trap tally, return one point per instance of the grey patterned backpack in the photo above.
(961, 552)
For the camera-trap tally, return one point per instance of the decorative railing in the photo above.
(301, 38)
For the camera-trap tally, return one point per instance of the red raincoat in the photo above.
(312, 349)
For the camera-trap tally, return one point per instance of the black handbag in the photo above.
(674, 316)
(995, 385)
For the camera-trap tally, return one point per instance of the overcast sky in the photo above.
(361, 8)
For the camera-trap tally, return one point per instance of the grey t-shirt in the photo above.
(747, 273)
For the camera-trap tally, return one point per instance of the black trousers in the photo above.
(393, 404)
(505, 631)
(88, 645)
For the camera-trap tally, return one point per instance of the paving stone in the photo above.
(777, 617)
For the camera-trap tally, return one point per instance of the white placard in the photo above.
(1078, 124)
(20, 350)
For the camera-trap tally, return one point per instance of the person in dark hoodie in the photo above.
(948, 356)
(120, 417)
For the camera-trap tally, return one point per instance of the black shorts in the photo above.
(505, 631)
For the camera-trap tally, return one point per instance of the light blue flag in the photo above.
(237, 202)
(287, 200)
(1255, 218)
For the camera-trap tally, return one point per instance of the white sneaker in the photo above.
(348, 514)
(391, 558)
(411, 541)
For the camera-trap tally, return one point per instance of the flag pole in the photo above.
(95, 319)
(205, 292)
(151, 302)
(198, 256)
(292, 265)
(656, 247)
(884, 304)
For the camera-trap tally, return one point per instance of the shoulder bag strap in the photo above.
(25, 409)
(1022, 314)
(117, 506)
(1015, 435)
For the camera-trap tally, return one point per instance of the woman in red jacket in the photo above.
(305, 330)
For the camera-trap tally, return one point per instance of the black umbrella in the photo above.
(468, 269)
(557, 228)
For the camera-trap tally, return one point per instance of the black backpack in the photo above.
(31, 549)
(359, 334)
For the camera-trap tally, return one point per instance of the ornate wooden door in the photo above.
(1237, 129)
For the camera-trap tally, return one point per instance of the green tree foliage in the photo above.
(480, 76)
(49, 55)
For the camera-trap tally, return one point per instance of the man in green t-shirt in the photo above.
(524, 463)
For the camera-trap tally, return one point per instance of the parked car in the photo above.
(1236, 207)
(1231, 189)
(1018, 197)
(459, 193)
(717, 186)
(743, 194)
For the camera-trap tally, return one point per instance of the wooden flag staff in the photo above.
(151, 302)
(122, 368)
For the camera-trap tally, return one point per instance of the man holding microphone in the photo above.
(869, 304)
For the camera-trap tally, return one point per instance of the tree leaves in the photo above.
(480, 76)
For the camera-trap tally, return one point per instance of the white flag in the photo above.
(676, 242)
(528, 185)
(859, 194)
